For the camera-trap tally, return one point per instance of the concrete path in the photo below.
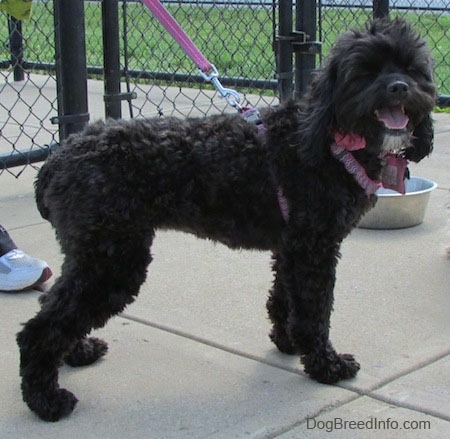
(191, 357)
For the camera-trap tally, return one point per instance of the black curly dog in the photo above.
(297, 190)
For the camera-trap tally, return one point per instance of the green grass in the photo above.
(238, 40)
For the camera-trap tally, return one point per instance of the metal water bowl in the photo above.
(397, 211)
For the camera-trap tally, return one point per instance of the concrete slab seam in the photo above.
(210, 343)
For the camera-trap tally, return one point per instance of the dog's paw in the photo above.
(52, 406)
(86, 351)
(330, 368)
(281, 341)
(348, 367)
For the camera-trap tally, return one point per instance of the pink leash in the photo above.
(172, 26)
(207, 70)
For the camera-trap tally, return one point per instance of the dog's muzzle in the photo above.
(395, 120)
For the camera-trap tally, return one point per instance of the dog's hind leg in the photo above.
(92, 288)
(309, 281)
(86, 351)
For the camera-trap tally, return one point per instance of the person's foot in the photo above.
(18, 271)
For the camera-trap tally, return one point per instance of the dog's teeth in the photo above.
(395, 144)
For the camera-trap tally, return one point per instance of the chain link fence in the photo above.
(27, 87)
(238, 36)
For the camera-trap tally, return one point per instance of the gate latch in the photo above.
(301, 44)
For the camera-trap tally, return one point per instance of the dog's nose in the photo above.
(398, 88)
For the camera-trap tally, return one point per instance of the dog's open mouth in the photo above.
(396, 138)
(396, 134)
(393, 117)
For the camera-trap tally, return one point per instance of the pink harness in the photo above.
(392, 177)
(252, 115)
(341, 150)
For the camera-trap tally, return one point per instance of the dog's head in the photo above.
(377, 83)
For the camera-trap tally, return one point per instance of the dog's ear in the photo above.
(319, 117)
(422, 141)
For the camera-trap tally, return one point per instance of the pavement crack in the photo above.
(212, 344)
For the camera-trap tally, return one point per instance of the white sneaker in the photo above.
(18, 271)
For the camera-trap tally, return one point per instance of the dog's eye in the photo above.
(419, 73)
(413, 71)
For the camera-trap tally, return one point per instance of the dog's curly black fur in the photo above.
(107, 190)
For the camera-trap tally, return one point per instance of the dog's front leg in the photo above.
(278, 307)
(309, 277)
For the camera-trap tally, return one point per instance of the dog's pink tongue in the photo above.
(393, 117)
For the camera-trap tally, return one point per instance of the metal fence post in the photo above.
(111, 58)
(16, 48)
(380, 8)
(305, 59)
(285, 74)
(71, 72)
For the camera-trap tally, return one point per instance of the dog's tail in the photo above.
(40, 188)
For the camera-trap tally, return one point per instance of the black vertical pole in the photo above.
(71, 71)
(111, 58)
(284, 58)
(305, 61)
(380, 8)
(16, 48)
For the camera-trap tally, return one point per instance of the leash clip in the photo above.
(231, 96)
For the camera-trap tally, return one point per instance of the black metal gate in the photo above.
(268, 49)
